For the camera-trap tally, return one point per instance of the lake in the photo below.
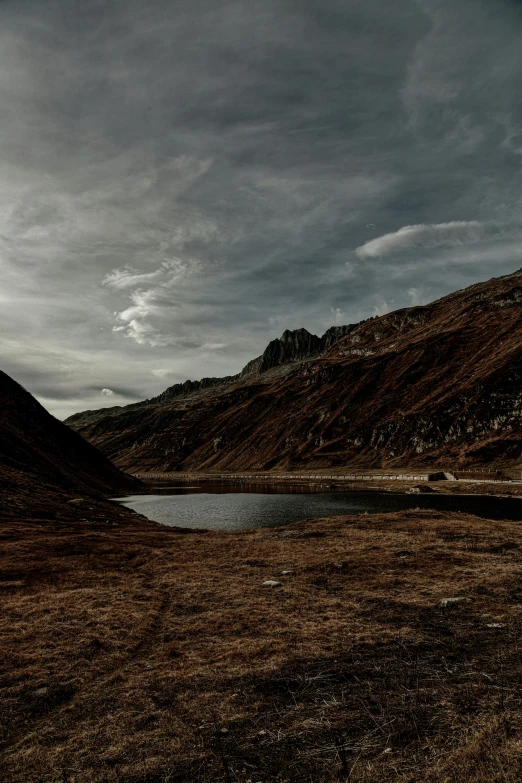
(231, 508)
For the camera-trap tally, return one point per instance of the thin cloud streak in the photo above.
(456, 232)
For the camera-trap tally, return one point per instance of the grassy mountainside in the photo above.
(420, 386)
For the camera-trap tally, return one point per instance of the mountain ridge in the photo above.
(417, 385)
(293, 345)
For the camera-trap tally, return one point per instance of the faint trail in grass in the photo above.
(69, 698)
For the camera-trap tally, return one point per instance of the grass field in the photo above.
(136, 654)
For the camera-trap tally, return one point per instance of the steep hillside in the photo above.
(423, 385)
(39, 453)
(292, 346)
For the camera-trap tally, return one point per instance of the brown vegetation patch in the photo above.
(133, 653)
(436, 386)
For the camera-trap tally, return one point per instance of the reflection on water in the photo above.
(240, 507)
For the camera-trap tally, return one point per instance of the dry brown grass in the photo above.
(139, 655)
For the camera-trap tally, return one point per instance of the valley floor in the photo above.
(138, 654)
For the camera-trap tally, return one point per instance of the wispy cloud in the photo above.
(150, 305)
(129, 277)
(455, 232)
(192, 177)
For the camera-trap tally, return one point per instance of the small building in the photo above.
(442, 475)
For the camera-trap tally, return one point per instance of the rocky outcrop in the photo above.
(293, 346)
(252, 368)
(188, 387)
(334, 333)
(439, 385)
(290, 347)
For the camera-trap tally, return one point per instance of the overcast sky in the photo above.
(182, 181)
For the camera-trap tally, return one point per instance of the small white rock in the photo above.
(271, 583)
(286, 573)
(444, 603)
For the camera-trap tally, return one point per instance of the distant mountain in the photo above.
(422, 385)
(292, 346)
(38, 451)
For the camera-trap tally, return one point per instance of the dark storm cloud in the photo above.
(181, 182)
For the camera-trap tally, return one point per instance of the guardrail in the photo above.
(286, 476)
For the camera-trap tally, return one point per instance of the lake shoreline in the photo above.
(336, 483)
(137, 652)
(232, 508)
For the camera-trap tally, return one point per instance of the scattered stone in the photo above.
(76, 502)
(495, 625)
(286, 573)
(41, 692)
(271, 583)
(421, 489)
(446, 603)
(224, 732)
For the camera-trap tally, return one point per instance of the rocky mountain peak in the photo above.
(290, 347)
(297, 345)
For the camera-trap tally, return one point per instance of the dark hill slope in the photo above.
(292, 346)
(37, 451)
(421, 385)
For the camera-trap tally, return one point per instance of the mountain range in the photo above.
(439, 384)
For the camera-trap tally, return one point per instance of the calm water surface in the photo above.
(222, 507)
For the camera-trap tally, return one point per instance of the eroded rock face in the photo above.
(420, 385)
(293, 346)
(298, 345)
(335, 333)
(290, 347)
(188, 387)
